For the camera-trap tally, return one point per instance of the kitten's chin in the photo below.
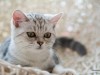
(42, 48)
(39, 48)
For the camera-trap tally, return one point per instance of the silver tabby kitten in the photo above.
(31, 42)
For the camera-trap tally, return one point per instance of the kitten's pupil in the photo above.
(31, 34)
(47, 35)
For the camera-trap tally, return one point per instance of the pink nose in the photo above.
(39, 42)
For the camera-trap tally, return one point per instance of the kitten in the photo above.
(33, 41)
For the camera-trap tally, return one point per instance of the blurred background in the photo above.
(81, 21)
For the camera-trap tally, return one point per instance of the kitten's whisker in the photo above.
(27, 46)
(18, 42)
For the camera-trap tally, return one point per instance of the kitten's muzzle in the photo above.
(39, 42)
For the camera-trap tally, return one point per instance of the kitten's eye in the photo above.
(31, 34)
(47, 35)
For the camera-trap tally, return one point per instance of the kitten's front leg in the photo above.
(37, 71)
(58, 69)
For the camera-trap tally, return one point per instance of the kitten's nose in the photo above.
(40, 42)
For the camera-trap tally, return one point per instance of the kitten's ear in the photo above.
(56, 18)
(18, 17)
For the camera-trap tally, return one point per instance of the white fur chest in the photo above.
(29, 56)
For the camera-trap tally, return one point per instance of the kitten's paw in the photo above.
(69, 72)
(41, 72)
(44, 73)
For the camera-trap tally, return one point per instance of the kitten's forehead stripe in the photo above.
(34, 28)
(34, 21)
(30, 15)
(39, 22)
(45, 28)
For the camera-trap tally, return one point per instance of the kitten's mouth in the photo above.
(39, 47)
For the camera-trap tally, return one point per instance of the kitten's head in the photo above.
(34, 30)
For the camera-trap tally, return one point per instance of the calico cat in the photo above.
(33, 41)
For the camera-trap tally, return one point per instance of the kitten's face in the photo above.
(34, 30)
